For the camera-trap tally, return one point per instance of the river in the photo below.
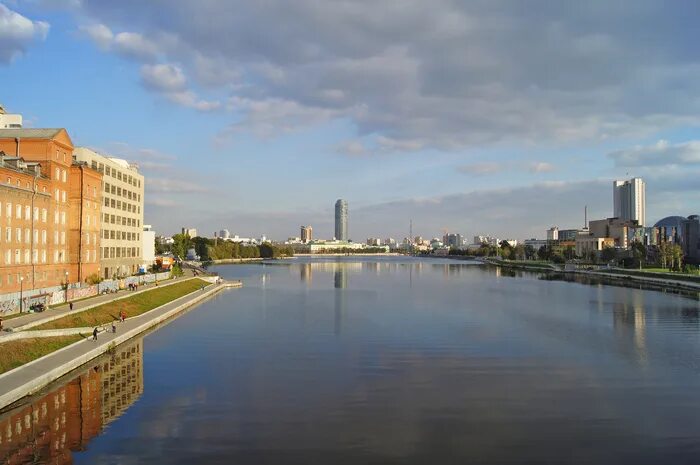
(386, 361)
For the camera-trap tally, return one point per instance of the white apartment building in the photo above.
(629, 200)
(121, 248)
(148, 246)
(9, 121)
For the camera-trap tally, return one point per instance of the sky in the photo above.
(475, 117)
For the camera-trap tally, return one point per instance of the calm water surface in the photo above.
(387, 361)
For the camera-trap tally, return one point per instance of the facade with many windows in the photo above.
(34, 184)
(120, 251)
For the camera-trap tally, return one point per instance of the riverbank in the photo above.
(36, 374)
(612, 276)
(364, 255)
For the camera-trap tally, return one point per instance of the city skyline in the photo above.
(493, 143)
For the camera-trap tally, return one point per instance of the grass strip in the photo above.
(132, 306)
(17, 353)
(647, 274)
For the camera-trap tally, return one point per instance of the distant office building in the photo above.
(341, 220)
(374, 241)
(536, 244)
(122, 212)
(629, 200)
(691, 239)
(148, 245)
(553, 234)
(568, 235)
(452, 240)
(307, 234)
(390, 241)
(615, 228)
(224, 234)
(488, 240)
(8, 121)
(192, 232)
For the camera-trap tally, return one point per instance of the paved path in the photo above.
(33, 376)
(64, 309)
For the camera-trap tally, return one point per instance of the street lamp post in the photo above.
(21, 292)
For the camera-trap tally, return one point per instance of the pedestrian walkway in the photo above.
(34, 319)
(34, 375)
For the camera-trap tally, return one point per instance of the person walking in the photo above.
(123, 315)
(94, 334)
(0, 324)
(70, 305)
(114, 328)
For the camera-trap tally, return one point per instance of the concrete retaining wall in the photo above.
(43, 380)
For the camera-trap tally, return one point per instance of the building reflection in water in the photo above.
(340, 282)
(631, 315)
(306, 273)
(54, 425)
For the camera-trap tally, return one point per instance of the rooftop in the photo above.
(30, 133)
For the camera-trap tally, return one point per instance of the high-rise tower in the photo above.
(629, 200)
(341, 220)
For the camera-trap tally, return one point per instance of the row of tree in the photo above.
(209, 249)
(667, 255)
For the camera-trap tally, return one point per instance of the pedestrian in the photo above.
(114, 328)
(94, 334)
(70, 305)
(0, 324)
(123, 315)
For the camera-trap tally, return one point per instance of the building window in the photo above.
(8, 257)
(43, 258)
(36, 236)
(43, 215)
(18, 256)
(43, 236)
(8, 234)
(35, 256)
(63, 196)
(8, 210)
(58, 174)
(27, 236)
(18, 212)
(27, 256)
(63, 217)
(57, 195)
(27, 212)
(63, 175)
(36, 213)
(63, 238)
(18, 234)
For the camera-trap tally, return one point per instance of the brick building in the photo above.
(37, 176)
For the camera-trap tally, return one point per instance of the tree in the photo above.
(267, 250)
(608, 254)
(201, 247)
(519, 252)
(544, 253)
(530, 252)
(570, 253)
(181, 244)
(639, 252)
(676, 257)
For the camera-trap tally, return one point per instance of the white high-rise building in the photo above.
(629, 200)
(224, 234)
(9, 121)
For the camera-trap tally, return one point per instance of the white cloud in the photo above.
(170, 81)
(100, 34)
(454, 75)
(135, 45)
(163, 77)
(661, 153)
(17, 33)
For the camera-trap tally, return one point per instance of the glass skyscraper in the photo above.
(341, 220)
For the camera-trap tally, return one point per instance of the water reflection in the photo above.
(51, 427)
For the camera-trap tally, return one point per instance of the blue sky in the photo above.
(477, 117)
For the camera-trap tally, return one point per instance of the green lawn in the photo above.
(133, 306)
(17, 353)
(671, 276)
